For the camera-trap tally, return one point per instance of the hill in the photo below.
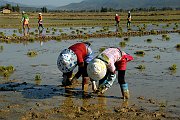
(120, 4)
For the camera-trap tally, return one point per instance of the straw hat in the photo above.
(96, 69)
(67, 61)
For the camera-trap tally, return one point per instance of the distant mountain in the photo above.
(25, 7)
(3, 2)
(120, 4)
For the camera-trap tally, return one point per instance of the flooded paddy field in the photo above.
(154, 90)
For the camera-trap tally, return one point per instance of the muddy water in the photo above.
(156, 83)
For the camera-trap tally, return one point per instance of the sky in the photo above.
(45, 2)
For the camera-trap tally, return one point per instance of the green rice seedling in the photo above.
(14, 31)
(36, 31)
(73, 32)
(2, 34)
(6, 71)
(10, 68)
(14, 35)
(119, 35)
(140, 52)
(53, 33)
(173, 67)
(1, 48)
(20, 30)
(32, 33)
(6, 74)
(122, 44)
(141, 67)
(60, 30)
(157, 57)
(31, 39)
(178, 46)
(81, 31)
(32, 53)
(154, 32)
(37, 77)
(77, 31)
(126, 39)
(47, 31)
(149, 40)
(165, 36)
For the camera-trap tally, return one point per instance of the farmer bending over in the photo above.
(79, 54)
(103, 69)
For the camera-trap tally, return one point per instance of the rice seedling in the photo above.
(38, 77)
(141, 67)
(122, 44)
(60, 30)
(1, 48)
(157, 57)
(2, 34)
(6, 71)
(178, 46)
(32, 53)
(149, 40)
(140, 53)
(14, 35)
(126, 39)
(165, 36)
(154, 32)
(173, 67)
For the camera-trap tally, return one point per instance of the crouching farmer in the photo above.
(103, 69)
(79, 54)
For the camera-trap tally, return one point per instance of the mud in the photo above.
(154, 91)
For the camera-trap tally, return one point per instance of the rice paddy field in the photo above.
(30, 82)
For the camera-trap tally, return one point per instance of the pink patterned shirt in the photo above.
(117, 59)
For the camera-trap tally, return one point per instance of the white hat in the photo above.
(40, 13)
(23, 12)
(96, 69)
(67, 61)
(116, 14)
(129, 11)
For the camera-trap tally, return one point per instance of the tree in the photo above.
(104, 9)
(44, 10)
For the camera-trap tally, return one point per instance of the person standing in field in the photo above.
(103, 69)
(129, 20)
(79, 54)
(117, 19)
(25, 21)
(40, 22)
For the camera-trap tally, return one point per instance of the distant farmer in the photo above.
(129, 20)
(117, 19)
(25, 21)
(79, 54)
(103, 69)
(40, 21)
